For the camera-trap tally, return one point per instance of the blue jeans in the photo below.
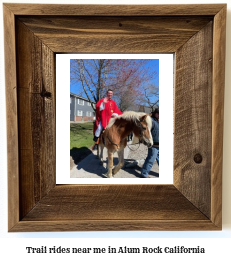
(153, 154)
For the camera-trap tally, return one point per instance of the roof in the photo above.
(80, 97)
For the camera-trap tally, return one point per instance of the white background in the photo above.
(217, 243)
(63, 121)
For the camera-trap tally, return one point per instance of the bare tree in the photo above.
(151, 96)
(124, 76)
(92, 76)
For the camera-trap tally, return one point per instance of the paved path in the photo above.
(90, 166)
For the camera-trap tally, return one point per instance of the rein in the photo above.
(127, 144)
(133, 144)
(112, 142)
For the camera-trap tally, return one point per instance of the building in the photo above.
(140, 108)
(80, 109)
(146, 109)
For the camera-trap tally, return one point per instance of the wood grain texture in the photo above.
(193, 126)
(11, 116)
(218, 114)
(114, 34)
(111, 207)
(114, 10)
(114, 202)
(35, 66)
(114, 225)
(191, 203)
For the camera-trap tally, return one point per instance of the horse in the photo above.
(114, 137)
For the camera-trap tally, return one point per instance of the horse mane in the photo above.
(131, 116)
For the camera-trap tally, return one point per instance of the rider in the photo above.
(105, 109)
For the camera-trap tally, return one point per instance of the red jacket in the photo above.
(104, 112)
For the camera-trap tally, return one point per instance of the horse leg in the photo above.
(110, 164)
(100, 153)
(121, 162)
(98, 149)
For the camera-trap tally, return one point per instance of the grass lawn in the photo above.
(81, 140)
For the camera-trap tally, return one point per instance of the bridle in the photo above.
(141, 128)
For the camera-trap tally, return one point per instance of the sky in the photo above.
(153, 64)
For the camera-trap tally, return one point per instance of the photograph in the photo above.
(114, 118)
(114, 131)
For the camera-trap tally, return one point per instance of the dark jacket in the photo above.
(155, 131)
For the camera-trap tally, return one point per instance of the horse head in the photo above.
(143, 130)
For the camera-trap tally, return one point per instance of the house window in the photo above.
(80, 113)
(80, 102)
(70, 100)
(89, 104)
(88, 114)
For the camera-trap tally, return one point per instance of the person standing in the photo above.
(153, 152)
(105, 109)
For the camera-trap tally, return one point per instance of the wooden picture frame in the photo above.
(34, 33)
